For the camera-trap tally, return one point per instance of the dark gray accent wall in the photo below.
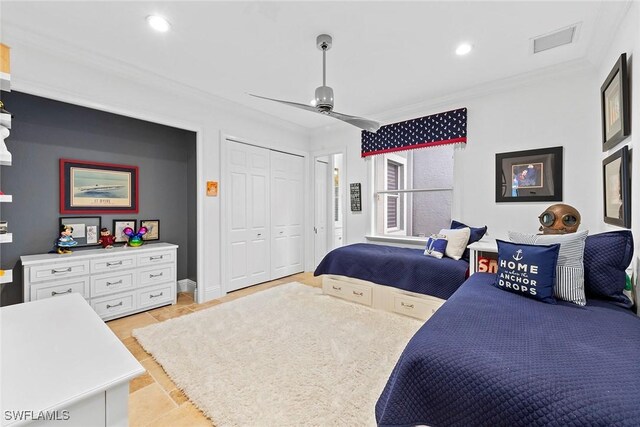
(44, 131)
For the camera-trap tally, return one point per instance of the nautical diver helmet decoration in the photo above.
(559, 219)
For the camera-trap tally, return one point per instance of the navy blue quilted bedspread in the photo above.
(403, 268)
(493, 358)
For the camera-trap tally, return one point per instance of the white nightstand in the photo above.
(483, 256)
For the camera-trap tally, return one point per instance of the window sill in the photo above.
(416, 241)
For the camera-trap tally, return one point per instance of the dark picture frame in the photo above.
(153, 226)
(91, 188)
(530, 175)
(119, 225)
(616, 187)
(86, 230)
(614, 105)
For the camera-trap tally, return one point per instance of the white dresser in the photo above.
(116, 282)
(61, 362)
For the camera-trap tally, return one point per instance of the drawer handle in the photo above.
(406, 305)
(115, 305)
(153, 276)
(155, 257)
(357, 293)
(155, 296)
(54, 293)
(111, 264)
(66, 270)
(119, 282)
(336, 288)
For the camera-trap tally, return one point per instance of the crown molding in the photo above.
(597, 47)
(17, 35)
(459, 98)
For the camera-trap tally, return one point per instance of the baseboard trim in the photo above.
(187, 285)
(212, 293)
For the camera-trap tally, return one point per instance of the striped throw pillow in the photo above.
(569, 284)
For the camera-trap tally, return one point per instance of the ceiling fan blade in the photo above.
(292, 104)
(366, 124)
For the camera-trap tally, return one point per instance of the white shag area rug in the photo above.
(286, 356)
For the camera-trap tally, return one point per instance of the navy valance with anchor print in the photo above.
(437, 129)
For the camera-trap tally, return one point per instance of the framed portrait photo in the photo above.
(617, 188)
(86, 230)
(153, 229)
(121, 224)
(529, 176)
(614, 103)
(88, 187)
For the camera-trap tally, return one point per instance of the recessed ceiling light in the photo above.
(463, 49)
(158, 23)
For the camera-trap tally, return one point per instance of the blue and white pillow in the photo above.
(527, 270)
(436, 246)
(570, 268)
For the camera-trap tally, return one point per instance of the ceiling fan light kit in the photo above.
(324, 94)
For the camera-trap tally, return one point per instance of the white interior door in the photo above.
(320, 208)
(248, 216)
(287, 243)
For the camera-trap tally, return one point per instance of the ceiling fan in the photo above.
(324, 95)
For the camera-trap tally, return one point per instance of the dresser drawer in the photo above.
(159, 257)
(159, 274)
(349, 291)
(79, 285)
(115, 263)
(111, 283)
(58, 270)
(156, 295)
(114, 305)
(415, 307)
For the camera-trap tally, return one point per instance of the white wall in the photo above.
(627, 39)
(81, 78)
(553, 110)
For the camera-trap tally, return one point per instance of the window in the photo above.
(413, 192)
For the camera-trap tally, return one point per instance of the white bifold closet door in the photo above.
(265, 215)
(248, 216)
(287, 178)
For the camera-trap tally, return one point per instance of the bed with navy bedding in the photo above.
(492, 358)
(403, 268)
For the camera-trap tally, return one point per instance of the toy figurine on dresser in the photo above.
(135, 239)
(65, 241)
(106, 238)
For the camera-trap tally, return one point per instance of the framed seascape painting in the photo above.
(614, 103)
(88, 187)
(617, 188)
(529, 176)
(86, 230)
(121, 224)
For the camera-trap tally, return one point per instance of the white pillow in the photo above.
(457, 241)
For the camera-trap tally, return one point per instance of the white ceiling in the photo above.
(386, 55)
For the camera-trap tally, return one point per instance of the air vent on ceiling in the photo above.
(554, 39)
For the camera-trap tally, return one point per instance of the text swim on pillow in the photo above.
(436, 246)
(527, 270)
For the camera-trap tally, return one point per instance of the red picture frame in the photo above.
(94, 188)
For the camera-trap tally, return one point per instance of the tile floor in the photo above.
(154, 400)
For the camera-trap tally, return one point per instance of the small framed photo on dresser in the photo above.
(153, 229)
(121, 224)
